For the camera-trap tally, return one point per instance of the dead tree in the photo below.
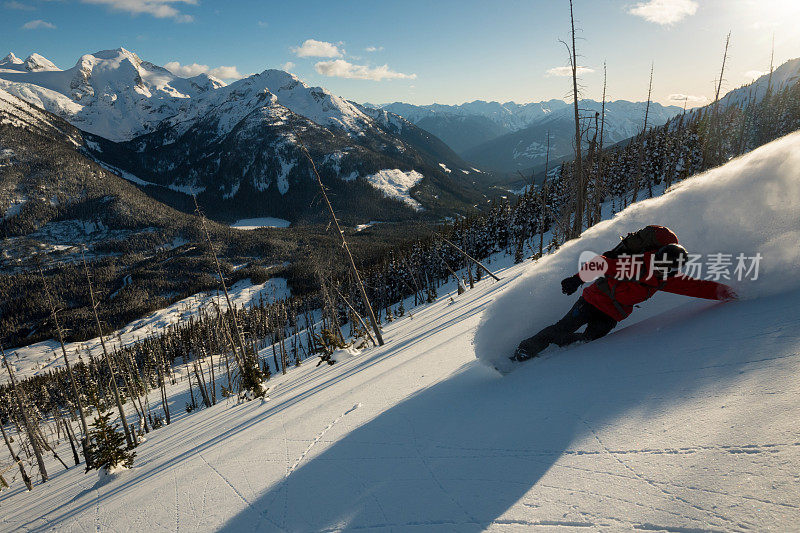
(599, 182)
(17, 459)
(73, 385)
(29, 428)
(130, 437)
(580, 183)
(465, 254)
(354, 270)
(249, 372)
(640, 156)
(543, 194)
(714, 140)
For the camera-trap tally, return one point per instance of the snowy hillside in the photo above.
(684, 419)
(42, 357)
(19, 113)
(785, 75)
(748, 206)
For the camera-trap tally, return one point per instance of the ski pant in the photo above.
(563, 332)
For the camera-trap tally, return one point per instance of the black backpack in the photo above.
(638, 242)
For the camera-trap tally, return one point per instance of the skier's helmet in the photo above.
(670, 258)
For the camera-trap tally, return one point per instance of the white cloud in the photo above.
(664, 12)
(262, 24)
(161, 9)
(679, 98)
(340, 68)
(751, 75)
(314, 48)
(13, 4)
(187, 71)
(567, 71)
(288, 66)
(374, 48)
(38, 24)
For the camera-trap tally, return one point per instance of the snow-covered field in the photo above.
(44, 356)
(263, 222)
(397, 184)
(683, 419)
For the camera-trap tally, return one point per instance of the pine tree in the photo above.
(107, 445)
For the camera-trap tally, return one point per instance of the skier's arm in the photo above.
(698, 288)
(571, 284)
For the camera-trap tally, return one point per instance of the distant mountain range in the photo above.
(237, 146)
(507, 137)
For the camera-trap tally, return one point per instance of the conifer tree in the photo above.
(107, 445)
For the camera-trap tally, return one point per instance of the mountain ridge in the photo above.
(235, 145)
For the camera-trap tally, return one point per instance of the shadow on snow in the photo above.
(462, 452)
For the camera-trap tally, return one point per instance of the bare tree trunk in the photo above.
(127, 374)
(580, 197)
(358, 316)
(130, 438)
(544, 196)
(25, 419)
(239, 339)
(353, 268)
(163, 386)
(75, 393)
(71, 438)
(599, 181)
(17, 459)
(714, 142)
(471, 259)
(640, 157)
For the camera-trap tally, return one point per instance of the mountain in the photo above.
(467, 125)
(57, 204)
(509, 137)
(527, 147)
(237, 147)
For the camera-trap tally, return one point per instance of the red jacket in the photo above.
(616, 297)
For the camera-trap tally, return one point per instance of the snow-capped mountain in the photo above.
(509, 115)
(510, 136)
(236, 145)
(34, 63)
(111, 93)
(116, 95)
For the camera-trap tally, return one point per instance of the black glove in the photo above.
(570, 285)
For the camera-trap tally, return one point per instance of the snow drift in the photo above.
(750, 205)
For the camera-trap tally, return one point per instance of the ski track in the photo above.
(644, 479)
(317, 439)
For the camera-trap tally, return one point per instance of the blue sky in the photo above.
(421, 51)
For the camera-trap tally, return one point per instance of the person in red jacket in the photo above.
(629, 280)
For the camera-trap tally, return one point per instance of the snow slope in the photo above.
(750, 205)
(41, 357)
(696, 432)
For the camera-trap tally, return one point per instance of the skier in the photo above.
(657, 254)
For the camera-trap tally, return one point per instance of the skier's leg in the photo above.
(599, 325)
(559, 333)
